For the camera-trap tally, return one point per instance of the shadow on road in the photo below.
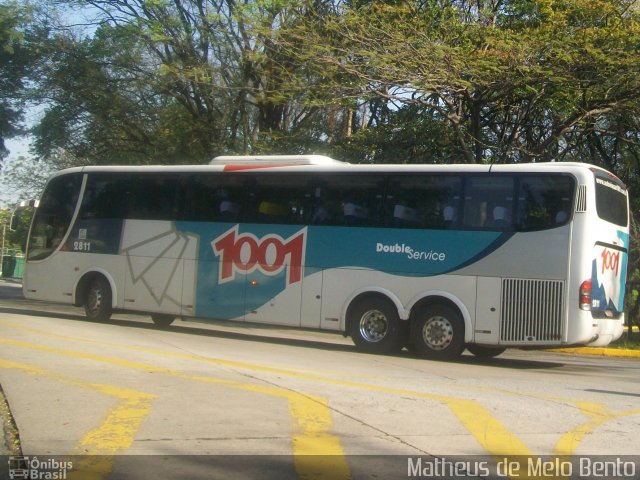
(269, 334)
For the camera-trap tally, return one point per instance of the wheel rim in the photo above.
(437, 333)
(373, 326)
(94, 299)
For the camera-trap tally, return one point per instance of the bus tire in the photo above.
(482, 351)
(375, 326)
(437, 333)
(162, 320)
(97, 300)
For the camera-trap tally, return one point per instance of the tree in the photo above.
(516, 80)
(176, 82)
(16, 56)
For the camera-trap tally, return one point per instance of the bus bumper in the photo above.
(608, 330)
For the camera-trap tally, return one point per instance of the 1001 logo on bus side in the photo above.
(244, 253)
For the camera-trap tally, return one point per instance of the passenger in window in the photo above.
(561, 217)
(228, 211)
(354, 214)
(404, 216)
(320, 215)
(449, 216)
(272, 212)
(500, 218)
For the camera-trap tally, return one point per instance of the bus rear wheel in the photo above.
(97, 303)
(437, 332)
(375, 326)
(162, 320)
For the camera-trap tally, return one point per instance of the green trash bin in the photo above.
(12, 267)
(8, 265)
(18, 270)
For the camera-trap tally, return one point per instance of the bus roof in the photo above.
(319, 163)
(274, 160)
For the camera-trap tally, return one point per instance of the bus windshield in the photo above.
(53, 215)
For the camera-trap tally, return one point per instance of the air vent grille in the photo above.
(581, 203)
(532, 311)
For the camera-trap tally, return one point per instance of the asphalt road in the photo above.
(126, 397)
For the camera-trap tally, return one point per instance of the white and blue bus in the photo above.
(431, 257)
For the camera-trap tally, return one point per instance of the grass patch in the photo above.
(630, 340)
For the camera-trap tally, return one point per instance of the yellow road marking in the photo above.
(598, 414)
(116, 432)
(488, 431)
(312, 417)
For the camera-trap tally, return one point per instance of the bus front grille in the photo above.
(531, 311)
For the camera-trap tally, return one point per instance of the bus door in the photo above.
(259, 273)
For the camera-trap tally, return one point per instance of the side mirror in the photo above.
(15, 222)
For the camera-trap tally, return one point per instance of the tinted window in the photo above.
(216, 198)
(154, 197)
(544, 201)
(104, 197)
(354, 200)
(611, 201)
(423, 201)
(488, 202)
(54, 215)
(279, 199)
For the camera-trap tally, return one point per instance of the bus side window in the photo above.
(420, 200)
(544, 201)
(350, 200)
(488, 203)
(449, 216)
(154, 197)
(278, 199)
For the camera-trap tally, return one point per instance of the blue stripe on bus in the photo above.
(269, 256)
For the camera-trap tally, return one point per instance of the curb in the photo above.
(599, 352)
(10, 440)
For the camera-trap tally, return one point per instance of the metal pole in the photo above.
(4, 231)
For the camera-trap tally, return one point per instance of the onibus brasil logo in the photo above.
(38, 469)
(245, 253)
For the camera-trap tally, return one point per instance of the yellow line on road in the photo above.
(116, 432)
(598, 414)
(488, 431)
(312, 417)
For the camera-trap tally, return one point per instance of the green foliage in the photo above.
(15, 59)
(15, 240)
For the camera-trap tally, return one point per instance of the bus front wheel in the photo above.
(375, 326)
(97, 304)
(437, 332)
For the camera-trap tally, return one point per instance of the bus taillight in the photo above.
(585, 295)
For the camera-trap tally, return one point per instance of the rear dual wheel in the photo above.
(375, 326)
(437, 332)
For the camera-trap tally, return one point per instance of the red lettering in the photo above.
(244, 253)
(610, 261)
